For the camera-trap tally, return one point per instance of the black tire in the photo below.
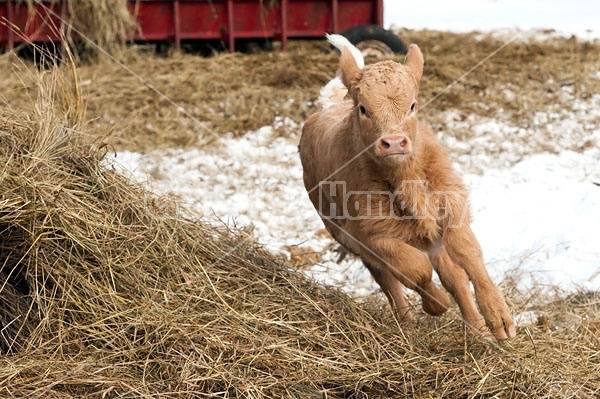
(374, 37)
(254, 46)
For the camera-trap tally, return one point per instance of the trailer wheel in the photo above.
(373, 40)
(254, 46)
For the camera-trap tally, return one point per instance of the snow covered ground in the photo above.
(541, 218)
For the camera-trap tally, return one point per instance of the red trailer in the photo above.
(227, 21)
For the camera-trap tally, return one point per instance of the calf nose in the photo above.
(394, 144)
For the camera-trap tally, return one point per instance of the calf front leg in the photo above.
(455, 280)
(463, 249)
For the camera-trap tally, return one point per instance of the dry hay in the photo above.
(203, 97)
(185, 100)
(109, 291)
(238, 93)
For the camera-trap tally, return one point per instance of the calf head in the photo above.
(385, 99)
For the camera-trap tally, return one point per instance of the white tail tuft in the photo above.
(332, 93)
(339, 42)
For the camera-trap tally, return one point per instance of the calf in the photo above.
(386, 191)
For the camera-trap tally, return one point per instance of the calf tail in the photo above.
(339, 42)
(335, 91)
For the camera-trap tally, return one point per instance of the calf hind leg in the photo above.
(393, 259)
(392, 288)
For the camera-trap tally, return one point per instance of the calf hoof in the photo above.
(404, 315)
(497, 315)
(507, 331)
(435, 301)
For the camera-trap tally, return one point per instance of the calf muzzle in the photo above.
(394, 145)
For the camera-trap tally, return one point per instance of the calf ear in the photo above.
(414, 61)
(348, 67)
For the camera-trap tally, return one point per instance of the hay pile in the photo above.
(109, 291)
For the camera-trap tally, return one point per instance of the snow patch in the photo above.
(530, 20)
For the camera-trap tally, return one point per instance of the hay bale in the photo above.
(106, 22)
(109, 291)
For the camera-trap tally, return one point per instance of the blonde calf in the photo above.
(386, 191)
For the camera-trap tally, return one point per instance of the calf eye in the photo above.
(362, 110)
(413, 106)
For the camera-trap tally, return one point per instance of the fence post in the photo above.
(230, 26)
(177, 25)
(10, 14)
(335, 15)
(284, 30)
